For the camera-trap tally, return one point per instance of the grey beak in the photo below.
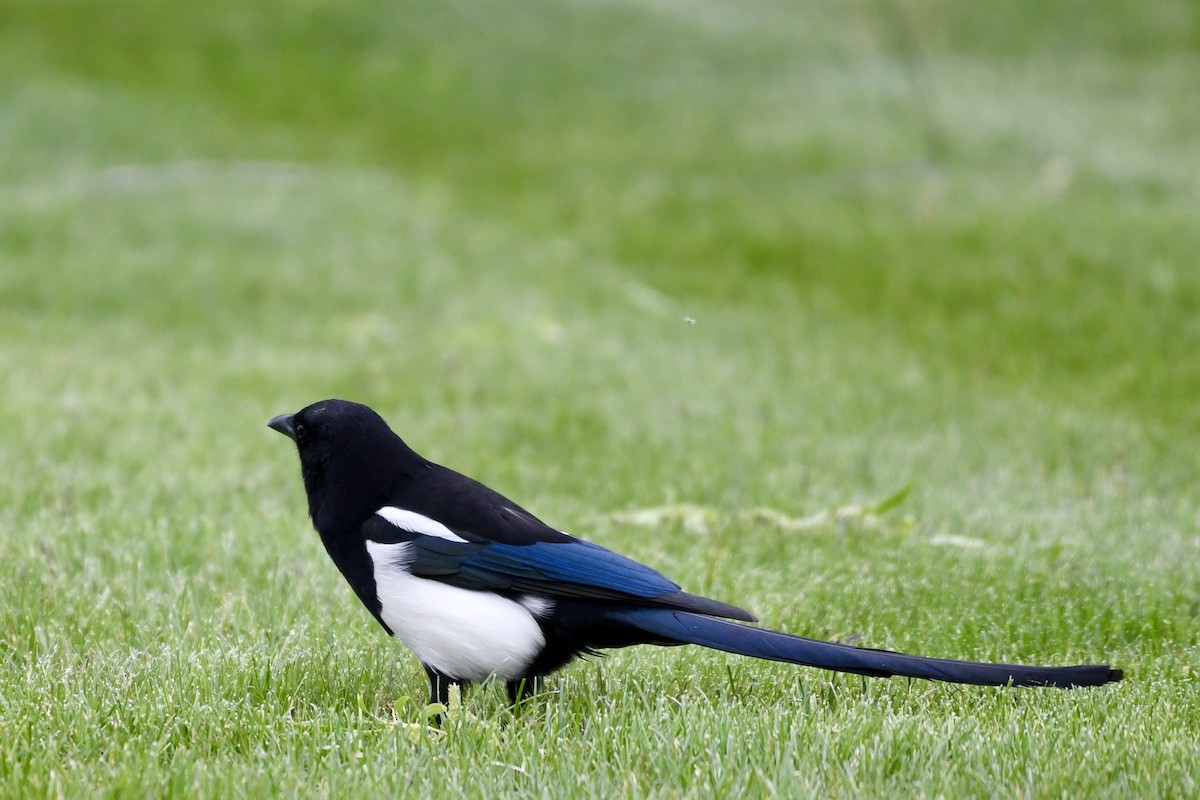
(283, 424)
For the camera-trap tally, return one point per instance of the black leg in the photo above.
(522, 689)
(439, 686)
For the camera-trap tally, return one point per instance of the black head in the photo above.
(350, 460)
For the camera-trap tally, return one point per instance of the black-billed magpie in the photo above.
(480, 588)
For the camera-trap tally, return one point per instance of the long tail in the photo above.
(683, 627)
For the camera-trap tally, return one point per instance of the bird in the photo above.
(479, 588)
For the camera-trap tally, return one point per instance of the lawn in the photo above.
(879, 319)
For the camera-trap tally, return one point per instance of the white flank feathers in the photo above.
(461, 633)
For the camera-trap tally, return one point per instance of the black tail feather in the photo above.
(687, 628)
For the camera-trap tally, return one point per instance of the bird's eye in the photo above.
(301, 432)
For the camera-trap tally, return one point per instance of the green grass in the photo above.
(921, 243)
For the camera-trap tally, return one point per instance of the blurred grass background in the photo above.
(604, 257)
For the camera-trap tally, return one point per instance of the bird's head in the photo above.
(349, 459)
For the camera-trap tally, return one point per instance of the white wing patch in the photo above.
(462, 633)
(418, 523)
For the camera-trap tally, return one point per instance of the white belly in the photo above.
(460, 633)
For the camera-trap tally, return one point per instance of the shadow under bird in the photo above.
(480, 588)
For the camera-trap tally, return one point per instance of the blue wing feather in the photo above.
(581, 565)
(566, 568)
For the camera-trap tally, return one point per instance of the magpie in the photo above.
(480, 588)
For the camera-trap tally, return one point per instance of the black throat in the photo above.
(345, 486)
